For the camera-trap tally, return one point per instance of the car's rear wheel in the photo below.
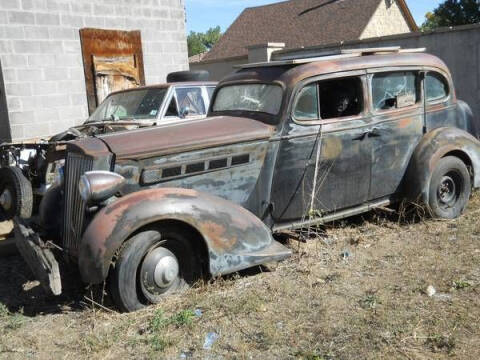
(16, 196)
(450, 188)
(151, 265)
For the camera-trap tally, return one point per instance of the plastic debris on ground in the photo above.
(210, 340)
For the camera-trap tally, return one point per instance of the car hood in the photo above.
(185, 136)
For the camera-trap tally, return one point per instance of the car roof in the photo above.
(167, 85)
(290, 72)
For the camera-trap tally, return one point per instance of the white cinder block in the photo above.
(44, 88)
(22, 117)
(47, 19)
(11, 4)
(36, 32)
(28, 75)
(21, 17)
(41, 55)
(18, 89)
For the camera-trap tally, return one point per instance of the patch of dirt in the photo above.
(357, 291)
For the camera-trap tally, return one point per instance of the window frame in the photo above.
(262, 113)
(360, 74)
(443, 99)
(385, 70)
(297, 99)
(199, 87)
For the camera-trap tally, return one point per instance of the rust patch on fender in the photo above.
(404, 123)
(217, 235)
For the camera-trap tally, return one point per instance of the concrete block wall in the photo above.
(41, 59)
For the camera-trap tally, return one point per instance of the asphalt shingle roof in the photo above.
(296, 23)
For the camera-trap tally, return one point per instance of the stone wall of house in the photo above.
(387, 20)
(41, 59)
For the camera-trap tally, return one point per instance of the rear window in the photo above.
(436, 87)
(395, 90)
(260, 98)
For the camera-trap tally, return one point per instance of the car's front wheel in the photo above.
(16, 196)
(151, 265)
(450, 188)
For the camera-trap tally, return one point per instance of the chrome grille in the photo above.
(75, 166)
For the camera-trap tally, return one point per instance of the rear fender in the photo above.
(235, 238)
(434, 146)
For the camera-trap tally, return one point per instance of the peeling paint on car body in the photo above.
(235, 238)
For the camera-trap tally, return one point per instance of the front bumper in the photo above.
(39, 257)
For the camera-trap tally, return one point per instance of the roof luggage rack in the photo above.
(333, 55)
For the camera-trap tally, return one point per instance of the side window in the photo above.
(395, 90)
(190, 101)
(306, 107)
(340, 97)
(172, 108)
(436, 86)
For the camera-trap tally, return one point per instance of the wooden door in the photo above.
(112, 60)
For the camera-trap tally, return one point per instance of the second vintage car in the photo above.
(184, 97)
(287, 145)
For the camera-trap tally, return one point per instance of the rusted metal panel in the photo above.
(108, 44)
(434, 146)
(186, 136)
(232, 182)
(236, 239)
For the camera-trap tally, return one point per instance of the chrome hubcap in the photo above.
(160, 270)
(166, 271)
(447, 191)
(6, 200)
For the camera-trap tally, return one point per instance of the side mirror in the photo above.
(184, 112)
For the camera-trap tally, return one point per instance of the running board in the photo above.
(332, 217)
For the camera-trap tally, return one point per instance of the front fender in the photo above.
(434, 146)
(235, 238)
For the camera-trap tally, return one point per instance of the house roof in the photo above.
(196, 58)
(298, 23)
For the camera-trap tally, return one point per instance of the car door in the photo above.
(324, 157)
(398, 114)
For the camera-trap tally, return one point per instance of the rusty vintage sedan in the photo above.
(286, 145)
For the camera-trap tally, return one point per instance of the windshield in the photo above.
(141, 104)
(249, 97)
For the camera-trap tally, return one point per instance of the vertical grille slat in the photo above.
(75, 166)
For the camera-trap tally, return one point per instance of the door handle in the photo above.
(373, 132)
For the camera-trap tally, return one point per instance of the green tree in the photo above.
(452, 13)
(200, 42)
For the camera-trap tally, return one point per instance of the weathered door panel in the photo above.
(109, 44)
(292, 180)
(393, 139)
(114, 73)
(343, 170)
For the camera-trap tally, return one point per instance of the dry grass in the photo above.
(359, 292)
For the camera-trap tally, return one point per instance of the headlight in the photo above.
(97, 186)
